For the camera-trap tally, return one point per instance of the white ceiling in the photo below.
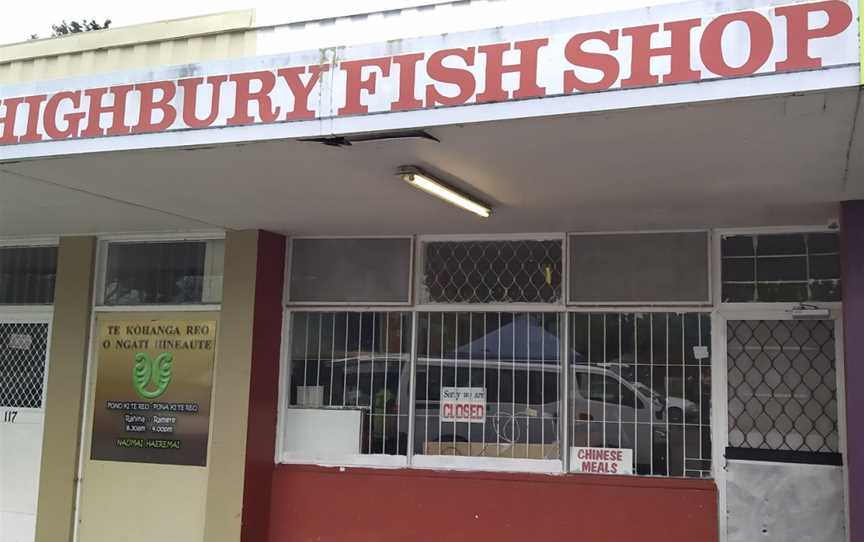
(771, 161)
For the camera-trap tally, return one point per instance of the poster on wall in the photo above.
(152, 398)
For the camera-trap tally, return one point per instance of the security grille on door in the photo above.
(782, 385)
(22, 364)
(519, 271)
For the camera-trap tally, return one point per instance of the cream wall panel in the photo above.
(137, 502)
(181, 41)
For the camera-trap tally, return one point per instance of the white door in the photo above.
(23, 370)
(783, 459)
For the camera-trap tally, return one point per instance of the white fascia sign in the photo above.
(691, 52)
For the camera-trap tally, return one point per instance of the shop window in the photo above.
(349, 384)
(639, 268)
(351, 270)
(167, 273)
(488, 384)
(795, 267)
(27, 275)
(511, 271)
(641, 382)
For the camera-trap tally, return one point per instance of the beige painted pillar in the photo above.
(231, 377)
(67, 369)
(245, 389)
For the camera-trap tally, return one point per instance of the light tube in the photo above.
(433, 186)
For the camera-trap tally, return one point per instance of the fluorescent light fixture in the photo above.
(422, 180)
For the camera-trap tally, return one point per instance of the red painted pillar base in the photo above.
(263, 387)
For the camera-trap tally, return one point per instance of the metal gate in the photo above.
(23, 370)
(783, 464)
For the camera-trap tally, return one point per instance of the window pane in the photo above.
(27, 275)
(164, 273)
(642, 382)
(781, 267)
(349, 370)
(647, 267)
(488, 384)
(492, 272)
(350, 270)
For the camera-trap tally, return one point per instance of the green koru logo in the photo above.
(155, 371)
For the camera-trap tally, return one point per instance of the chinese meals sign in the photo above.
(591, 460)
(463, 405)
(152, 400)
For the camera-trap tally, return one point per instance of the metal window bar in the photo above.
(511, 354)
(374, 347)
(642, 388)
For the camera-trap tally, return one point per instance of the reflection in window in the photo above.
(164, 273)
(781, 267)
(642, 381)
(508, 364)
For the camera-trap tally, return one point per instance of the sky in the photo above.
(37, 16)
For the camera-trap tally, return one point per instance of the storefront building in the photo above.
(453, 270)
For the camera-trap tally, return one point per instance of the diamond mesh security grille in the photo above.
(22, 364)
(520, 271)
(782, 385)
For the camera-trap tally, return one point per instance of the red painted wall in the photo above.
(374, 505)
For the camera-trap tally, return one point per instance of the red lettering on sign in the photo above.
(407, 81)
(761, 43)
(356, 82)
(149, 104)
(245, 95)
(72, 120)
(799, 33)
(460, 77)
(448, 77)
(526, 68)
(97, 108)
(33, 105)
(678, 52)
(300, 90)
(190, 100)
(604, 62)
(10, 113)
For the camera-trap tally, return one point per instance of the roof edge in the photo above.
(171, 29)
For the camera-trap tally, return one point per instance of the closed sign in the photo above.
(463, 405)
